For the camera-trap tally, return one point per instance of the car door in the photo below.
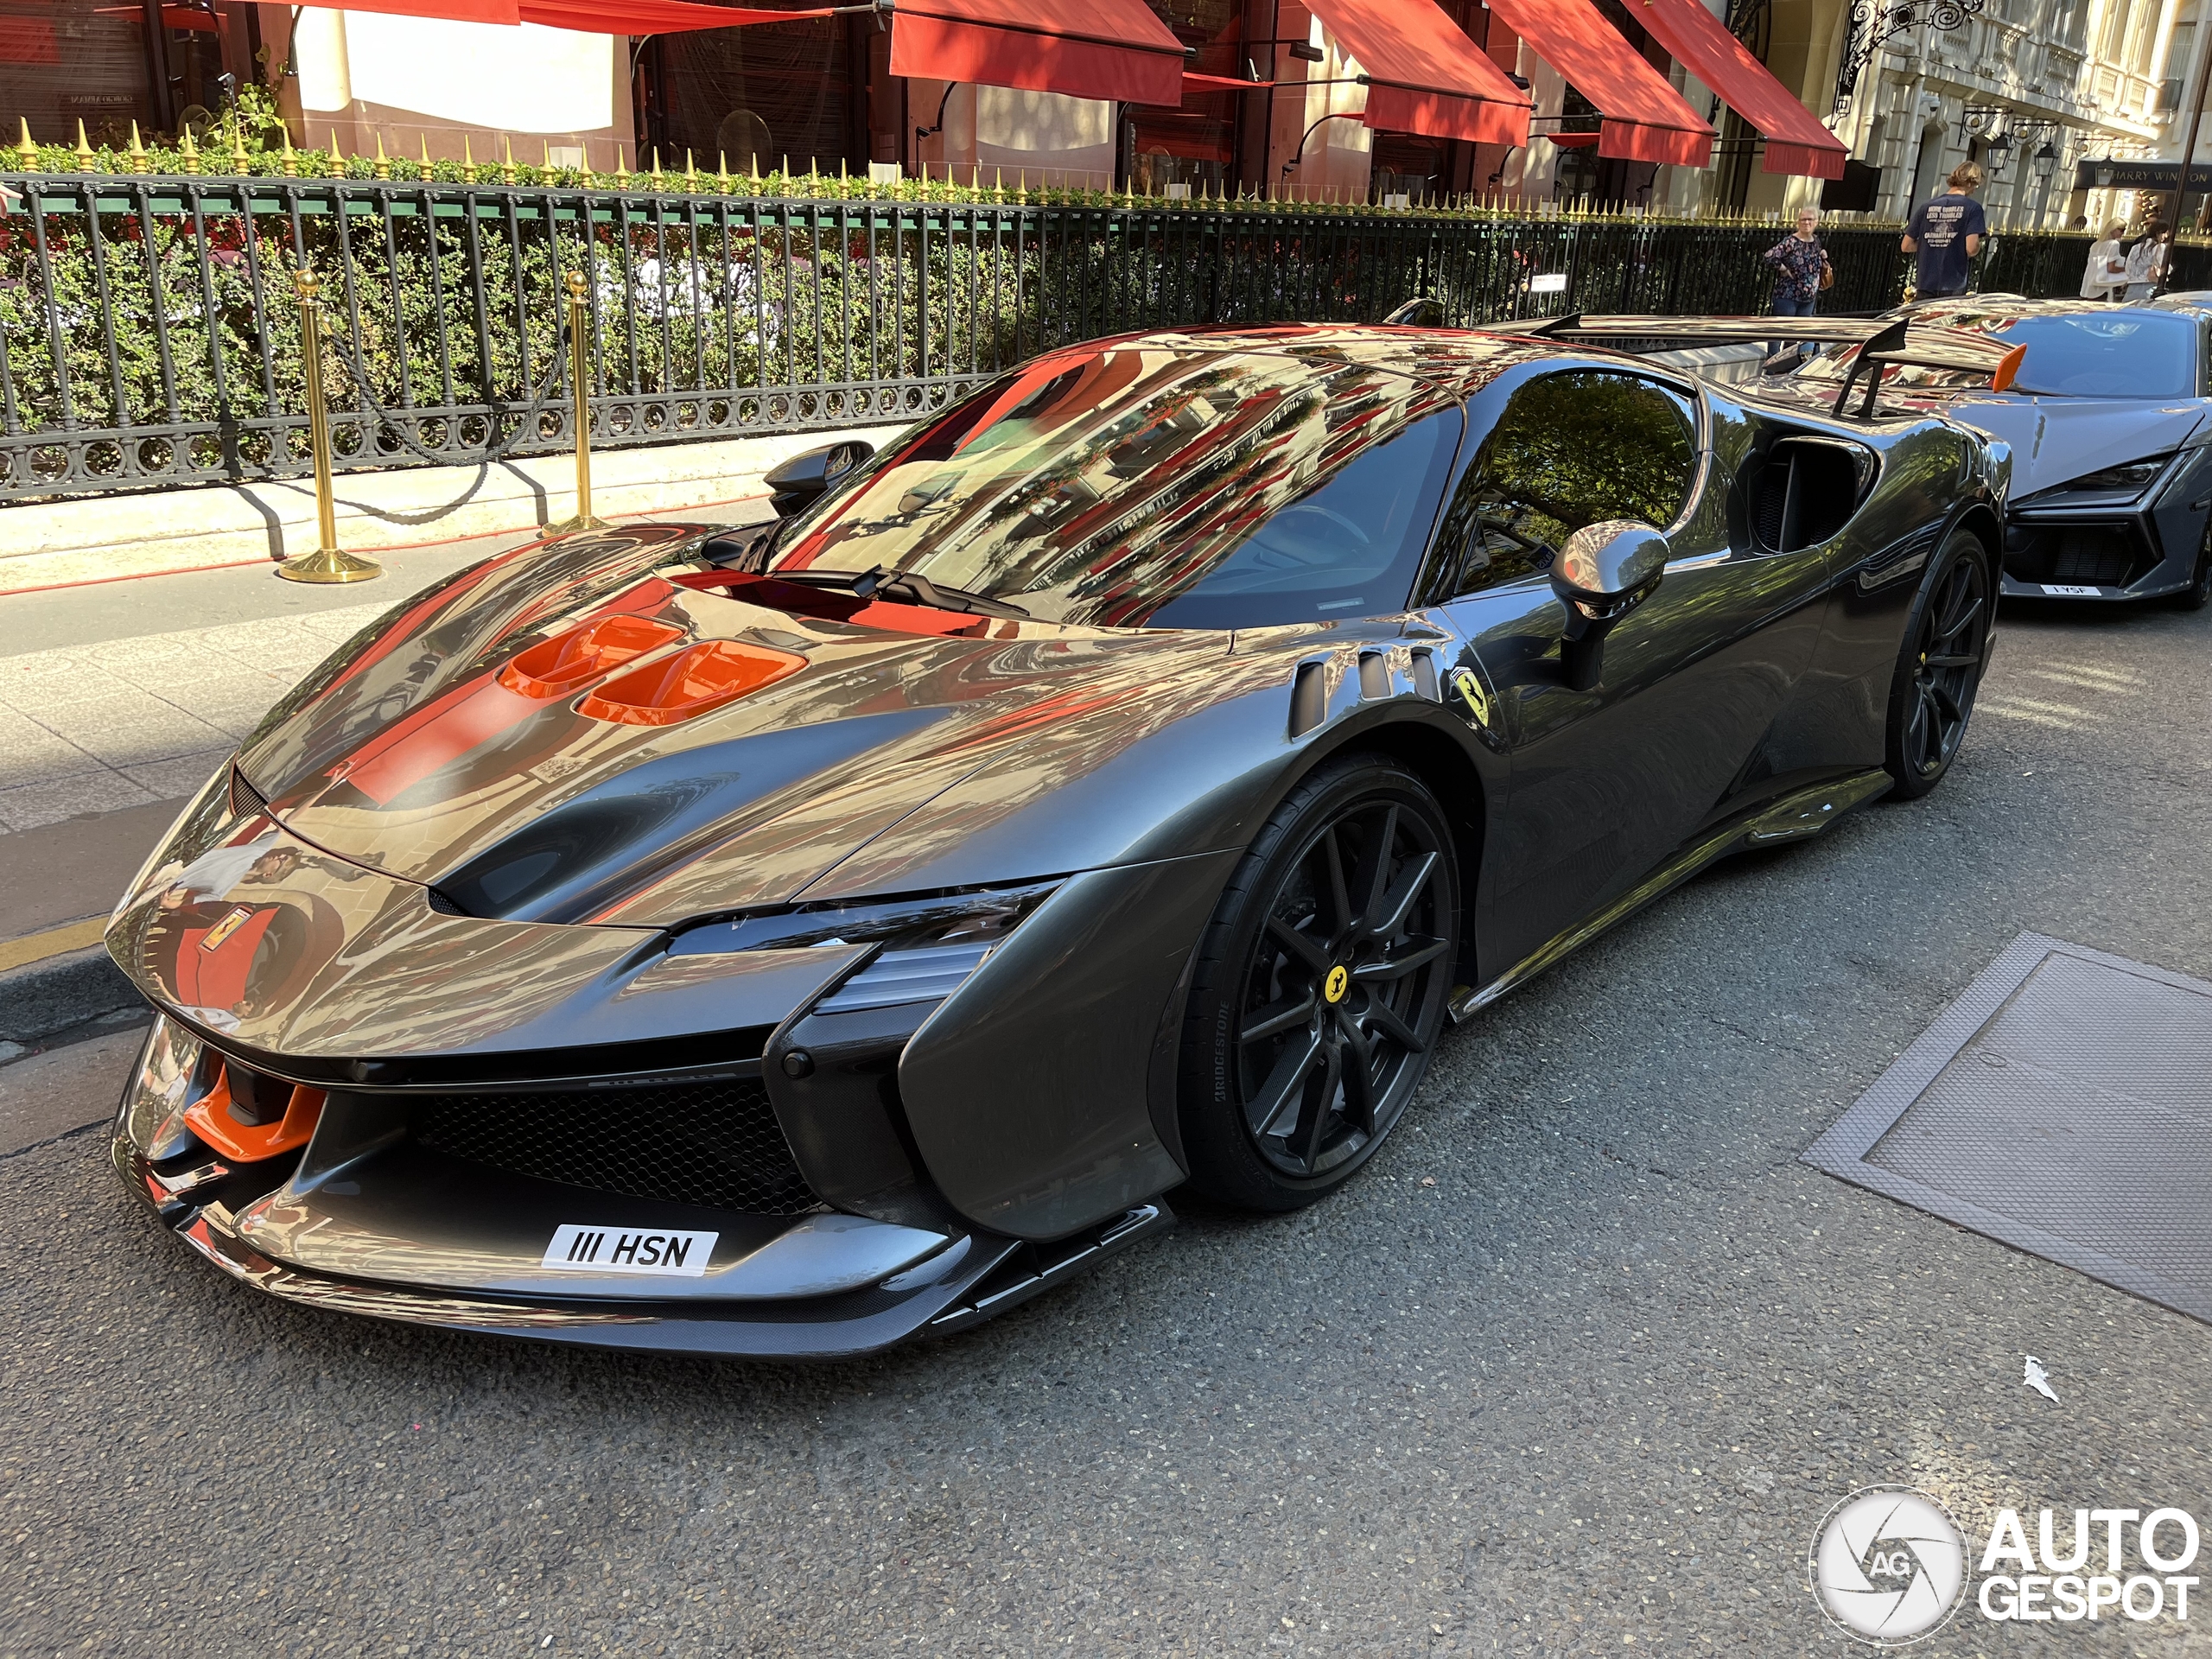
(1626, 743)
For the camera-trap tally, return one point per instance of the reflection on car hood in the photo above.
(406, 753)
(2056, 439)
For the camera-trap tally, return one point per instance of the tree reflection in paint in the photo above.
(1569, 449)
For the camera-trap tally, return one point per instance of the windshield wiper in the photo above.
(906, 587)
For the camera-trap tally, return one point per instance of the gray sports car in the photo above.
(2112, 451)
(2102, 409)
(791, 940)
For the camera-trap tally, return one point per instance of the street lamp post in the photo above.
(2188, 149)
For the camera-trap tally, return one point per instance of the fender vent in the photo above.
(1374, 677)
(1425, 681)
(1309, 698)
(246, 801)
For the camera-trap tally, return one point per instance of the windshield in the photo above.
(1170, 486)
(2111, 353)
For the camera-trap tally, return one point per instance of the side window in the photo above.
(1569, 449)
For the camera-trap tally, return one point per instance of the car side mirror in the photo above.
(797, 484)
(1605, 571)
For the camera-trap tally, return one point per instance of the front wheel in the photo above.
(1320, 989)
(2198, 594)
(1939, 667)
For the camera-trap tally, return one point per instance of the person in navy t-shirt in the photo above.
(1946, 234)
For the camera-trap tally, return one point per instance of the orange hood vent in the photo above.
(691, 683)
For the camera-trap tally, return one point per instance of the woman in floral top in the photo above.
(1798, 263)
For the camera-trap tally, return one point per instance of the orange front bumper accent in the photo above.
(209, 1117)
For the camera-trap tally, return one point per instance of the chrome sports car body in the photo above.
(787, 942)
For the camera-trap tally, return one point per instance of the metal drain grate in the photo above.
(716, 1144)
(2063, 1105)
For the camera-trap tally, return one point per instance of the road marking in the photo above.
(2124, 676)
(54, 941)
(2006, 711)
(2082, 677)
(2064, 710)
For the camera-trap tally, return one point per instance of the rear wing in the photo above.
(1880, 345)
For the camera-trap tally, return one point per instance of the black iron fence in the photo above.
(148, 335)
(2041, 265)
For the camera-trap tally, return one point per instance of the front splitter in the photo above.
(992, 1273)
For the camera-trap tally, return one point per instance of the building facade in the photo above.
(2031, 90)
(2072, 107)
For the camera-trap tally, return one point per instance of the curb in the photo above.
(42, 998)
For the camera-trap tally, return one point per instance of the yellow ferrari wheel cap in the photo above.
(1337, 982)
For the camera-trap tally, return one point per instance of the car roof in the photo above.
(1461, 360)
(2019, 305)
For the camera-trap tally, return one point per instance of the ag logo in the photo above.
(1889, 1565)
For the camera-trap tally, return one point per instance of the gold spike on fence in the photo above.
(225, 151)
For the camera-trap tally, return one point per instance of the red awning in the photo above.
(1795, 143)
(1086, 48)
(589, 16)
(1196, 83)
(645, 17)
(1645, 119)
(1425, 75)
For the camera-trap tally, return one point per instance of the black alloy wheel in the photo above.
(1320, 990)
(1939, 670)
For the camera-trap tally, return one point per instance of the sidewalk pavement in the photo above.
(65, 543)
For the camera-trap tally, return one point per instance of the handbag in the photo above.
(1827, 275)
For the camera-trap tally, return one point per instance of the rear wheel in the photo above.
(1939, 668)
(1321, 986)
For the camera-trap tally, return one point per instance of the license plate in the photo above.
(2067, 590)
(629, 1249)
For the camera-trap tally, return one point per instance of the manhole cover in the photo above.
(2063, 1104)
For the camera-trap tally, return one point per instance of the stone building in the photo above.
(1358, 99)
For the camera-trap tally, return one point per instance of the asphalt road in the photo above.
(1576, 1367)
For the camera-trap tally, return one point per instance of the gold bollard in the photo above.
(579, 383)
(327, 564)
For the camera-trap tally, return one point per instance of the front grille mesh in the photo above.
(717, 1144)
(2092, 555)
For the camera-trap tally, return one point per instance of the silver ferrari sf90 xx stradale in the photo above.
(793, 939)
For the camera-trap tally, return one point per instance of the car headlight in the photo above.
(930, 946)
(977, 917)
(2131, 476)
